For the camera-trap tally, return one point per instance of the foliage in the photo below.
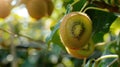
(27, 42)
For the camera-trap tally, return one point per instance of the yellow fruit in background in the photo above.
(82, 53)
(5, 8)
(37, 8)
(75, 30)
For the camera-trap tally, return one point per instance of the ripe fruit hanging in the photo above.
(75, 30)
(50, 7)
(5, 8)
(24, 1)
(39, 8)
(83, 52)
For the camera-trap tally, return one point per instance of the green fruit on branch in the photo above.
(82, 53)
(75, 30)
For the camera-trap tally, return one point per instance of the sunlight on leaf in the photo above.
(115, 27)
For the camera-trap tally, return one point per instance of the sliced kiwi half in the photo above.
(75, 30)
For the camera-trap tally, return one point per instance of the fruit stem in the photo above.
(84, 7)
(84, 62)
(104, 57)
(74, 2)
(95, 9)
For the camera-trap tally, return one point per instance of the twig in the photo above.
(16, 35)
(12, 46)
(74, 2)
(6, 31)
(13, 53)
(39, 41)
(84, 62)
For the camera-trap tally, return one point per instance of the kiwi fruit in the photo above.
(5, 8)
(82, 53)
(75, 30)
(36, 8)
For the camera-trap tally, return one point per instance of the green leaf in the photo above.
(115, 27)
(76, 4)
(101, 23)
(54, 36)
(115, 30)
(67, 2)
(53, 32)
(79, 5)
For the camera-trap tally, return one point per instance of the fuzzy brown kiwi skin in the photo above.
(37, 8)
(50, 6)
(67, 37)
(5, 8)
(24, 1)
